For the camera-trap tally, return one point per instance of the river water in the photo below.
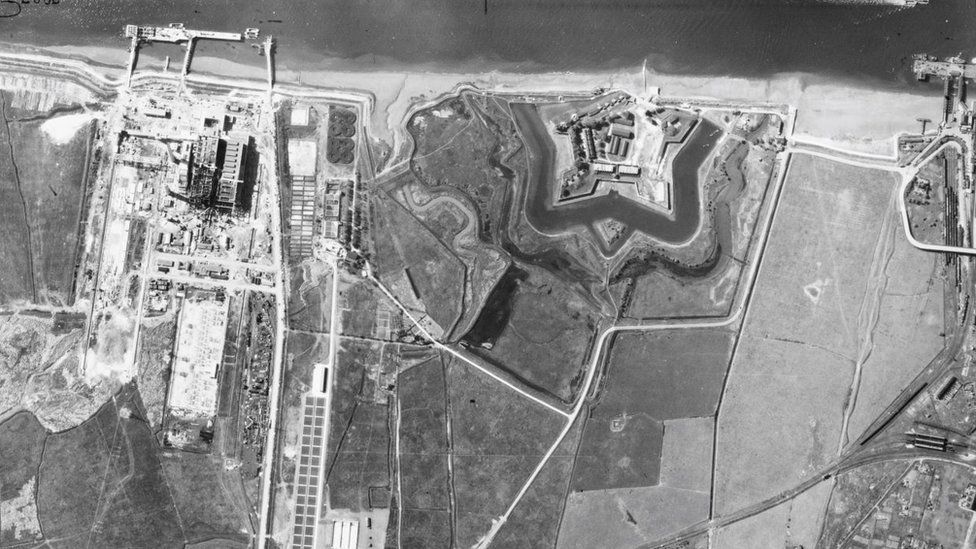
(741, 37)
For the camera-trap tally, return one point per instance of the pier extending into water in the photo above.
(176, 33)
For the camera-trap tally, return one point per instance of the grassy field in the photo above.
(619, 459)
(359, 437)
(686, 458)
(535, 520)
(667, 375)
(101, 483)
(21, 444)
(547, 333)
(360, 302)
(498, 438)
(809, 319)
(818, 261)
(795, 523)
(424, 480)
(628, 517)
(652, 377)
(210, 499)
(435, 272)
(662, 294)
(909, 331)
(41, 196)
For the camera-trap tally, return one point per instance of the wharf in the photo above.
(924, 67)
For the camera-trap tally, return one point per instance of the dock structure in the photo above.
(133, 55)
(187, 58)
(950, 68)
(176, 34)
(269, 60)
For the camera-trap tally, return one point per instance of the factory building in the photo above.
(622, 131)
(628, 169)
(199, 352)
(231, 174)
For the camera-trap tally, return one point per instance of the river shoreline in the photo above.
(846, 113)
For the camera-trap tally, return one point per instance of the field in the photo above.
(664, 294)
(40, 207)
(453, 221)
(536, 519)
(794, 523)
(498, 437)
(359, 437)
(546, 331)
(686, 458)
(309, 305)
(154, 357)
(424, 445)
(210, 499)
(652, 377)
(909, 330)
(435, 273)
(101, 483)
(628, 517)
(21, 443)
(365, 311)
(809, 320)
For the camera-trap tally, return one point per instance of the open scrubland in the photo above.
(809, 322)
(154, 357)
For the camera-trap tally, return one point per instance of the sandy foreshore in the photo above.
(847, 114)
